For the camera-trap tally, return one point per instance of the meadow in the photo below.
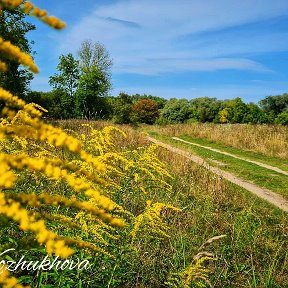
(254, 253)
(269, 140)
(139, 215)
(162, 251)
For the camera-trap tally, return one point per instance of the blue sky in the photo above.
(182, 49)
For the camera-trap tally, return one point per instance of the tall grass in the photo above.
(133, 139)
(270, 140)
(254, 253)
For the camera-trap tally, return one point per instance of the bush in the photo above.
(162, 121)
(282, 118)
(176, 110)
(145, 111)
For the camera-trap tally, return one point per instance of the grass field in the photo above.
(248, 171)
(269, 140)
(254, 252)
(215, 207)
(270, 160)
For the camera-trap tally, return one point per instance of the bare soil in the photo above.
(268, 195)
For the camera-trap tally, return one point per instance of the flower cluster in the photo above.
(80, 177)
(151, 219)
(8, 281)
(29, 9)
(26, 222)
(14, 52)
(196, 273)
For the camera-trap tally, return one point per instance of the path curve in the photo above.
(263, 193)
(234, 156)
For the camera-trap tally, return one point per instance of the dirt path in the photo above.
(263, 193)
(234, 156)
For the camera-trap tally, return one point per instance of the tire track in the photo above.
(235, 156)
(268, 195)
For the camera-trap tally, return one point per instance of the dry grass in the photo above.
(134, 139)
(270, 140)
(254, 253)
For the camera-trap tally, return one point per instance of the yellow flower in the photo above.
(3, 66)
(8, 281)
(151, 219)
(14, 52)
(29, 9)
(27, 222)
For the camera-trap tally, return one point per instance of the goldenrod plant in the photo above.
(196, 273)
(68, 191)
(151, 219)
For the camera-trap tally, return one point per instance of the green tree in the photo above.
(90, 97)
(95, 81)
(68, 77)
(238, 110)
(176, 110)
(52, 101)
(234, 112)
(38, 98)
(65, 84)
(14, 28)
(205, 109)
(255, 115)
(282, 118)
(122, 107)
(274, 105)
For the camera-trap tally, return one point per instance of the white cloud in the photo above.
(135, 31)
(157, 66)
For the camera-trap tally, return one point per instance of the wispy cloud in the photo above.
(178, 48)
(123, 22)
(185, 33)
(157, 66)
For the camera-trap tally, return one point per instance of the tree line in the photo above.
(127, 109)
(81, 86)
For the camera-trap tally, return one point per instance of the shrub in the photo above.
(282, 118)
(145, 111)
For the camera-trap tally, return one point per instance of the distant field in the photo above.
(269, 140)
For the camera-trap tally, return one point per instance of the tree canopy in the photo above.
(13, 28)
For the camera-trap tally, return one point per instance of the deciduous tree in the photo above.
(68, 76)
(95, 81)
(93, 87)
(95, 55)
(14, 28)
(145, 111)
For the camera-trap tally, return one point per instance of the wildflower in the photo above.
(29, 9)
(8, 281)
(3, 66)
(26, 222)
(14, 52)
(151, 218)
(12, 4)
